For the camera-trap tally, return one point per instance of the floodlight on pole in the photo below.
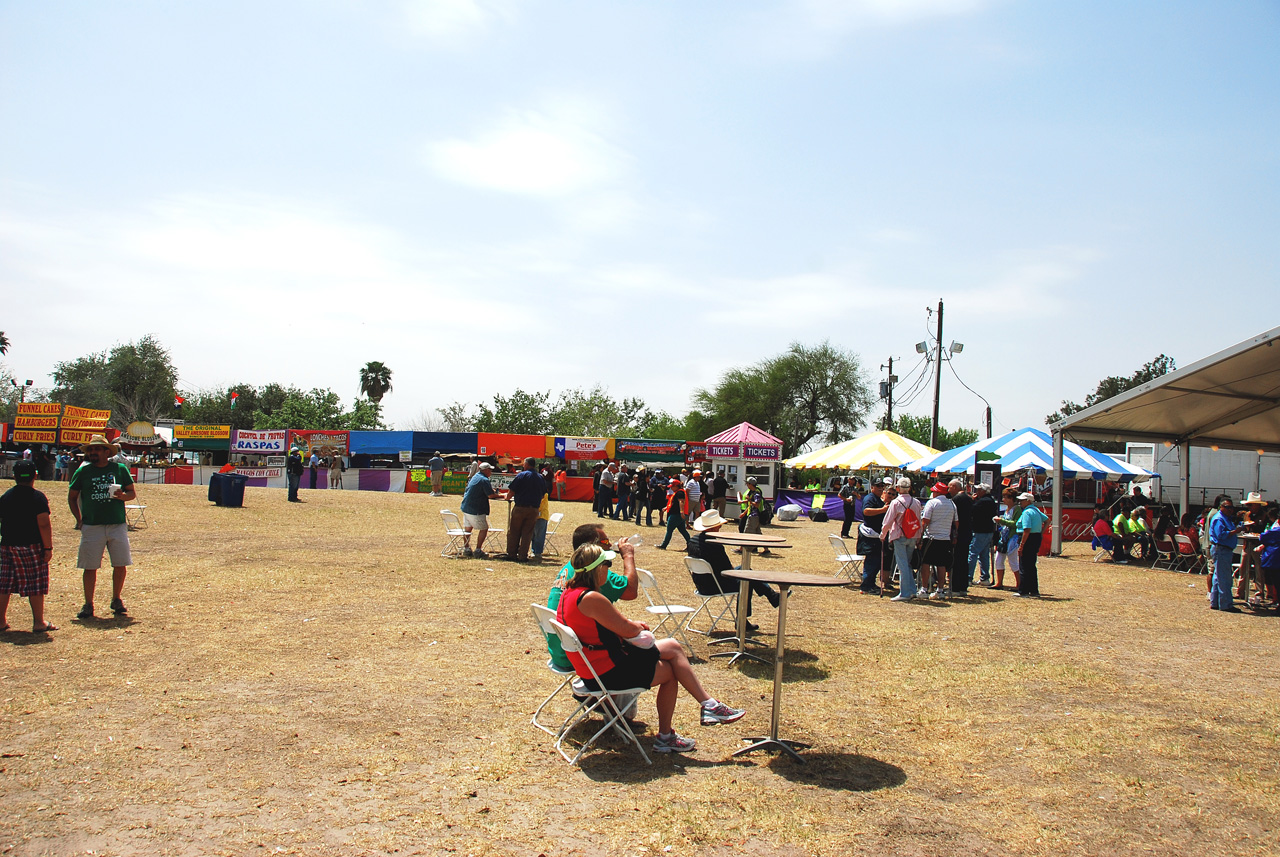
(956, 347)
(922, 348)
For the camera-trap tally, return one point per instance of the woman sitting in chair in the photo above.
(624, 653)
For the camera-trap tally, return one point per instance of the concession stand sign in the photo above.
(772, 453)
(269, 442)
(582, 448)
(37, 422)
(723, 450)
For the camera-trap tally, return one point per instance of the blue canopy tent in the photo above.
(1032, 448)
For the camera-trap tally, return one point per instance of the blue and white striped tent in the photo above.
(1032, 448)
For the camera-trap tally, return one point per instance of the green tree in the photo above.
(918, 429)
(594, 413)
(375, 380)
(134, 381)
(804, 394)
(1114, 385)
(519, 413)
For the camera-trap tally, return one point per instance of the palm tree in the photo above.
(4, 343)
(375, 381)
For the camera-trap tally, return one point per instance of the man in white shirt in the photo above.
(940, 522)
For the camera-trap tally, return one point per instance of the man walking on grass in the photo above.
(96, 497)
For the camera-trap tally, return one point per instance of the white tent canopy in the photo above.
(878, 449)
(1229, 400)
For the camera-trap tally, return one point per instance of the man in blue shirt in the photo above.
(1222, 541)
(475, 510)
(526, 492)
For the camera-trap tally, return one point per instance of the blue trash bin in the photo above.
(233, 489)
(215, 488)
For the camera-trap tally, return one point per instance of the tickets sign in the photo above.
(201, 432)
(260, 442)
(723, 450)
(761, 452)
(40, 408)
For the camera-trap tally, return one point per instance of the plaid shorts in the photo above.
(23, 570)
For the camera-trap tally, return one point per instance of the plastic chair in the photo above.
(676, 614)
(850, 562)
(453, 529)
(728, 600)
(553, 527)
(545, 618)
(608, 702)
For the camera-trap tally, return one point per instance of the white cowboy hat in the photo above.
(1254, 499)
(709, 519)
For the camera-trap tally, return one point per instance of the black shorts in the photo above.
(938, 552)
(636, 670)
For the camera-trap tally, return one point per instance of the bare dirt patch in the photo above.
(316, 679)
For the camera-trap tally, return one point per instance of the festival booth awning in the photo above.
(448, 442)
(649, 450)
(380, 442)
(511, 447)
(1229, 400)
(1031, 448)
(878, 449)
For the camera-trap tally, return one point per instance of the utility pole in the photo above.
(886, 393)
(937, 383)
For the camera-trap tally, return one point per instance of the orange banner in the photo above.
(75, 423)
(96, 417)
(70, 436)
(40, 408)
(26, 436)
(25, 421)
(201, 432)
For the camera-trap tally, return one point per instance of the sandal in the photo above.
(48, 626)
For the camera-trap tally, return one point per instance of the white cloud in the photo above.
(455, 23)
(554, 151)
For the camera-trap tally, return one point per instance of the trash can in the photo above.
(233, 489)
(215, 488)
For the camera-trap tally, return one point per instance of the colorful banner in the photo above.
(582, 448)
(724, 450)
(650, 450)
(695, 452)
(25, 421)
(96, 417)
(29, 436)
(772, 453)
(269, 442)
(201, 432)
(40, 408)
(321, 441)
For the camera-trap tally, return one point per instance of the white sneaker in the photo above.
(935, 595)
(901, 597)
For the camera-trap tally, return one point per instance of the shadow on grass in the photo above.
(14, 637)
(105, 623)
(850, 772)
(799, 666)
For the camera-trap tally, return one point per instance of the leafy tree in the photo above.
(134, 381)
(803, 394)
(663, 426)
(275, 406)
(454, 417)
(594, 413)
(1114, 385)
(919, 428)
(519, 413)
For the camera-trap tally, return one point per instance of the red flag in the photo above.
(234, 396)
(177, 401)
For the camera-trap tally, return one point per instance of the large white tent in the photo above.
(1030, 448)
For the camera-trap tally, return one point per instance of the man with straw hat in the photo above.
(98, 492)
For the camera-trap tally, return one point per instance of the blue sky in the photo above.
(491, 194)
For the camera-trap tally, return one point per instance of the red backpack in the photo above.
(910, 521)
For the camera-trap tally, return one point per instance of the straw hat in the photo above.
(1254, 499)
(709, 520)
(99, 440)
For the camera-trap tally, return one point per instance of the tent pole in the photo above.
(1056, 522)
(1184, 478)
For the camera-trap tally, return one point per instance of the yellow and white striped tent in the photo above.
(878, 449)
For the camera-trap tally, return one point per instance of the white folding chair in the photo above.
(453, 529)
(727, 602)
(136, 516)
(1188, 561)
(610, 703)
(545, 618)
(675, 614)
(1166, 553)
(850, 562)
(553, 527)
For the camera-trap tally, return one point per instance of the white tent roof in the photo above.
(1228, 400)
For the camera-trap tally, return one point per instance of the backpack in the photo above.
(910, 522)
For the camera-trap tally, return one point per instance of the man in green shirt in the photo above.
(98, 492)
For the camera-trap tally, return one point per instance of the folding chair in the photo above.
(1187, 562)
(136, 516)
(1103, 549)
(553, 527)
(677, 614)
(1166, 553)
(850, 562)
(608, 702)
(728, 601)
(453, 529)
(545, 617)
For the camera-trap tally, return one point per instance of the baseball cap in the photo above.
(24, 470)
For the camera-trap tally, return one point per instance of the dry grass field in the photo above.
(315, 679)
